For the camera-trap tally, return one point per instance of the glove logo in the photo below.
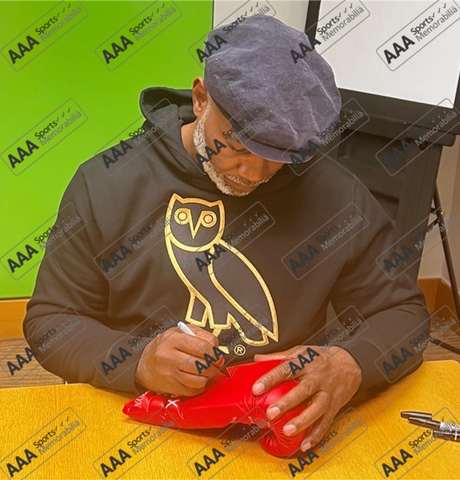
(172, 402)
(193, 226)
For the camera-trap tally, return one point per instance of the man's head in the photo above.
(235, 170)
(259, 105)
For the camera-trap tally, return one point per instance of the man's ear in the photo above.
(199, 97)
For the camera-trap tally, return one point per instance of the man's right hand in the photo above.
(168, 362)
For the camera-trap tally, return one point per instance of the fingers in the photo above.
(268, 356)
(195, 366)
(319, 430)
(196, 346)
(169, 362)
(295, 397)
(175, 381)
(171, 357)
(187, 384)
(275, 356)
(298, 363)
(274, 377)
(197, 355)
(204, 334)
(202, 338)
(318, 407)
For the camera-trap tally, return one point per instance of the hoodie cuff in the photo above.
(122, 378)
(365, 353)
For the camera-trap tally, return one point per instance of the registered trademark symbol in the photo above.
(240, 350)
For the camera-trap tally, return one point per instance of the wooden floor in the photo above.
(436, 352)
(32, 374)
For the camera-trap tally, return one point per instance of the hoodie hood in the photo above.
(176, 105)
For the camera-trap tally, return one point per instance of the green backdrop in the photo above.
(70, 68)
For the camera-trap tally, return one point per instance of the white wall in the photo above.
(433, 263)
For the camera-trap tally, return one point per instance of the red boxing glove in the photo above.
(223, 403)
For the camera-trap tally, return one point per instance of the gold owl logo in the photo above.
(233, 286)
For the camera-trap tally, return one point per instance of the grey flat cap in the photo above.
(276, 102)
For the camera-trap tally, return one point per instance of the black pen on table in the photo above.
(427, 420)
(446, 435)
(446, 431)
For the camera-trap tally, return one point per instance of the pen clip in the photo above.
(419, 415)
(424, 422)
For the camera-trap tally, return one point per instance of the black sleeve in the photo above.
(68, 277)
(392, 308)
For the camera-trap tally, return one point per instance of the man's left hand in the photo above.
(328, 386)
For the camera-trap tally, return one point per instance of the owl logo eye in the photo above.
(209, 219)
(182, 216)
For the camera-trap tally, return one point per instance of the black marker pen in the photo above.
(446, 427)
(453, 436)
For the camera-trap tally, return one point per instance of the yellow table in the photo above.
(24, 411)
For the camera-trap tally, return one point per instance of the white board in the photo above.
(425, 71)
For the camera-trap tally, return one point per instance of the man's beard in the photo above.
(199, 137)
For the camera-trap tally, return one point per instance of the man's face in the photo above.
(235, 170)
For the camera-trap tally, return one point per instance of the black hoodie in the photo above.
(276, 256)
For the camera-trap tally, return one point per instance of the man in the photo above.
(174, 224)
